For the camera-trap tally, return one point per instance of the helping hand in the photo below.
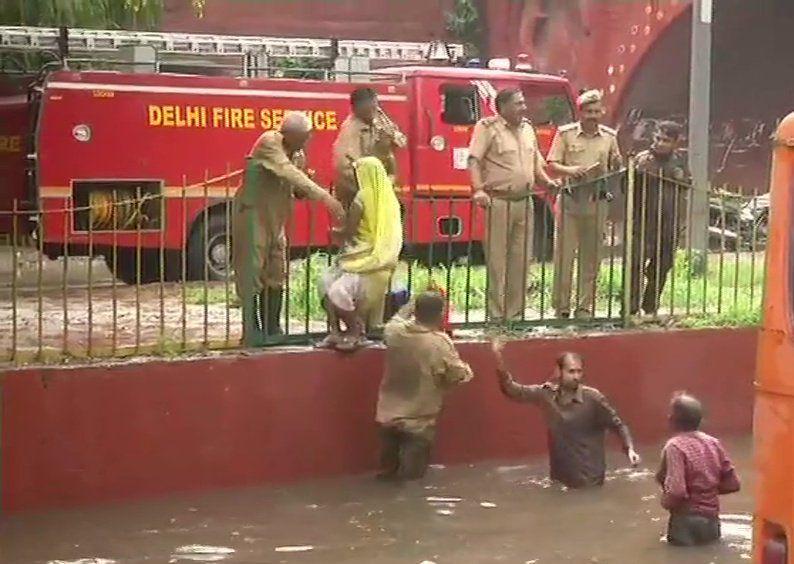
(482, 199)
(335, 208)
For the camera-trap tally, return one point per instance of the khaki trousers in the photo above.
(508, 252)
(582, 235)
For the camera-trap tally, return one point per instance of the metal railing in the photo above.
(149, 273)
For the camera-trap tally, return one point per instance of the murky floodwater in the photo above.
(490, 512)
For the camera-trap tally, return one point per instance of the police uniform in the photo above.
(582, 213)
(358, 139)
(509, 159)
(659, 209)
(262, 207)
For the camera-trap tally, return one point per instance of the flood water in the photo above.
(489, 512)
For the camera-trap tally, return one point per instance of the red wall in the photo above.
(344, 19)
(83, 435)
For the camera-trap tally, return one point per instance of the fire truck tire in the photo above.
(215, 257)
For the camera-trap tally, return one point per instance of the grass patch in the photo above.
(728, 293)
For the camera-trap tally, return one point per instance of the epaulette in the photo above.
(270, 137)
(607, 129)
(568, 127)
(489, 121)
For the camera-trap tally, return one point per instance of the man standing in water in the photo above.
(422, 365)
(695, 471)
(577, 417)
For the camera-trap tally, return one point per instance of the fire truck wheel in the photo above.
(216, 256)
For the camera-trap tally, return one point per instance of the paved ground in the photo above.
(490, 512)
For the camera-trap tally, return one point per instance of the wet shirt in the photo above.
(576, 426)
(509, 157)
(665, 182)
(696, 471)
(573, 147)
(421, 366)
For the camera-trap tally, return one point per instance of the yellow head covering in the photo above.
(380, 235)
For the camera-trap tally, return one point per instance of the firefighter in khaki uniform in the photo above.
(262, 207)
(505, 161)
(422, 365)
(583, 151)
(367, 132)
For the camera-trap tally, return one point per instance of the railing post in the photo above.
(628, 242)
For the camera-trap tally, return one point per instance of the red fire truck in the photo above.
(171, 147)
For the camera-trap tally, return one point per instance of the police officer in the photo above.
(505, 162)
(367, 131)
(262, 206)
(659, 214)
(582, 151)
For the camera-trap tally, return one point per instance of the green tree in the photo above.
(463, 22)
(97, 14)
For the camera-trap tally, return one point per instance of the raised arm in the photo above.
(509, 387)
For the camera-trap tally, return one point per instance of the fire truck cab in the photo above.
(144, 164)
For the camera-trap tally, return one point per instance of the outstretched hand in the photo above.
(497, 346)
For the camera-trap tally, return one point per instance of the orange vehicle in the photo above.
(774, 403)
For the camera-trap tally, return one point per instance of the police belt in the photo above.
(511, 196)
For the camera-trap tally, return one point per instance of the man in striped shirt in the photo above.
(695, 470)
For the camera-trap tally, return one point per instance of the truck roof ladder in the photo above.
(90, 40)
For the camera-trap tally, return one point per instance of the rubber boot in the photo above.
(270, 312)
(253, 336)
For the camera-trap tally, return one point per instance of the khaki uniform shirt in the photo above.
(576, 429)
(509, 157)
(573, 147)
(421, 365)
(358, 139)
(262, 206)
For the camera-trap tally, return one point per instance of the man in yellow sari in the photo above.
(371, 241)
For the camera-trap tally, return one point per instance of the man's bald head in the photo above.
(686, 412)
(296, 121)
(296, 129)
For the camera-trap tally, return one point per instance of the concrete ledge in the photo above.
(92, 434)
